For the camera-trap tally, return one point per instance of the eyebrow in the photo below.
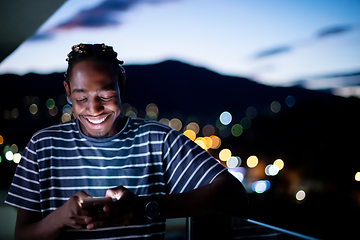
(105, 88)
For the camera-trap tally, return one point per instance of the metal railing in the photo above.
(220, 227)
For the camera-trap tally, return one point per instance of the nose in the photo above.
(95, 106)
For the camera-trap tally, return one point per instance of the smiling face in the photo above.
(95, 96)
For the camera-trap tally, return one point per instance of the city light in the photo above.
(216, 142)
(16, 158)
(194, 127)
(9, 155)
(33, 109)
(233, 162)
(190, 134)
(208, 130)
(357, 176)
(275, 107)
(260, 186)
(152, 111)
(1, 140)
(290, 101)
(252, 161)
(225, 154)
(176, 124)
(300, 195)
(225, 118)
(199, 142)
(279, 163)
(164, 121)
(237, 130)
(271, 170)
(251, 112)
(50, 103)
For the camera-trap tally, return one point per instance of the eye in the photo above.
(81, 100)
(106, 98)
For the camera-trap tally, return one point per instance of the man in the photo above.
(151, 171)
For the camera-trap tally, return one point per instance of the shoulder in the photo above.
(58, 130)
(148, 125)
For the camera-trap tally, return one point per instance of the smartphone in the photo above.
(96, 202)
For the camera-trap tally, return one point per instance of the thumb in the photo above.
(116, 192)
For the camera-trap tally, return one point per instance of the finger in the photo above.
(115, 192)
(82, 195)
(77, 222)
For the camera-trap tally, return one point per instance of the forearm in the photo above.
(47, 228)
(225, 194)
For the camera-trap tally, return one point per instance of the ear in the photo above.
(67, 89)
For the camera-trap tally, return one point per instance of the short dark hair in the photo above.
(96, 52)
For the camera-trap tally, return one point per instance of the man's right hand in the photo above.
(72, 214)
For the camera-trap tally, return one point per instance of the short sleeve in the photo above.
(187, 165)
(24, 190)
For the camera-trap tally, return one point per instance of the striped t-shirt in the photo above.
(146, 157)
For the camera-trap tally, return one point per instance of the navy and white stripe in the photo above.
(146, 157)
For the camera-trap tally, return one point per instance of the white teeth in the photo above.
(96, 121)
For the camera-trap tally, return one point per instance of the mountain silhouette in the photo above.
(316, 135)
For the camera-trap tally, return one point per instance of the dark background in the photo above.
(318, 137)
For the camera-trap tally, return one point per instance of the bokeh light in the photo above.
(279, 163)
(225, 154)
(233, 162)
(65, 117)
(33, 109)
(300, 195)
(194, 127)
(225, 118)
(16, 158)
(245, 123)
(252, 161)
(237, 130)
(14, 113)
(9, 155)
(271, 170)
(50, 103)
(216, 142)
(260, 186)
(67, 109)
(164, 121)
(152, 111)
(207, 141)
(199, 142)
(190, 134)
(53, 111)
(251, 112)
(275, 107)
(1, 139)
(176, 124)
(14, 148)
(357, 176)
(290, 101)
(208, 130)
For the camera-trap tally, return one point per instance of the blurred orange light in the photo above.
(1, 140)
(252, 161)
(225, 154)
(190, 134)
(216, 142)
(199, 142)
